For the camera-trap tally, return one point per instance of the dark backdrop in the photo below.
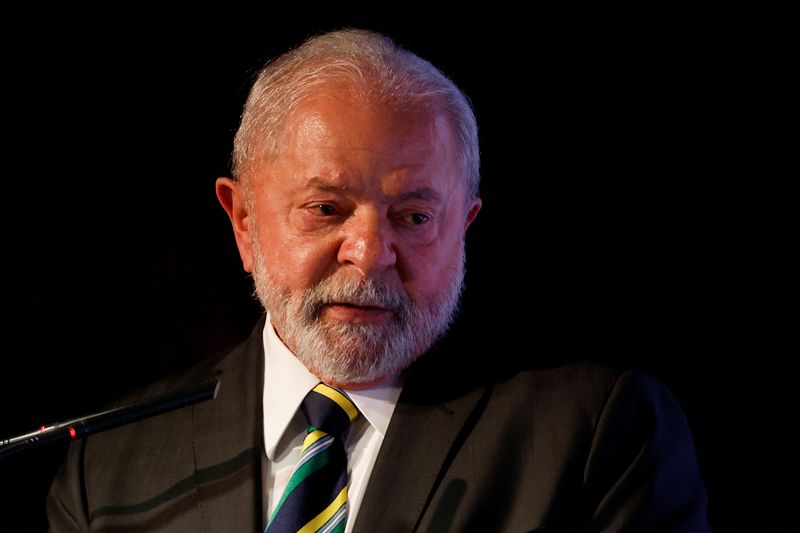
(629, 211)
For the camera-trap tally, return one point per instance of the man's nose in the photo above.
(368, 243)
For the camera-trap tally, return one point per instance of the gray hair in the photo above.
(375, 68)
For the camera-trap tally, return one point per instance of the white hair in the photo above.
(375, 69)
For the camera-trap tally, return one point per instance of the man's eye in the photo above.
(418, 218)
(326, 210)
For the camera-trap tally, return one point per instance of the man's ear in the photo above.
(473, 212)
(231, 195)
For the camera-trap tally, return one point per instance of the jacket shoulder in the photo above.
(579, 382)
(580, 392)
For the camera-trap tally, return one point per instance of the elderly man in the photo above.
(356, 178)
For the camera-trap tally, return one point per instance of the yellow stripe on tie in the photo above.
(311, 438)
(319, 520)
(346, 405)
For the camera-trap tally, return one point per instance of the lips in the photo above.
(360, 306)
(358, 313)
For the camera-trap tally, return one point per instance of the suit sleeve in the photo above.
(66, 508)
(641, 473)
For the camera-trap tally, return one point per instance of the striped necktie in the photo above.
(316, 497)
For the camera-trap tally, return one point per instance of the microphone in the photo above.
(118, 416)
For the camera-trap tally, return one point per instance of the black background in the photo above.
(634, 212)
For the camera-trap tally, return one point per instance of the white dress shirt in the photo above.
(286, 383)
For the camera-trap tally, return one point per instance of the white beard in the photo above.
(357, 353)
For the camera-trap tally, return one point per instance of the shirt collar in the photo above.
(287, 381)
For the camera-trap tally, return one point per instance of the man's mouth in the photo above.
(356, 313)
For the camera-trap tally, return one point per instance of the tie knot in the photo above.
(329, 409)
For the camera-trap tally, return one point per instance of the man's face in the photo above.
(356, 237)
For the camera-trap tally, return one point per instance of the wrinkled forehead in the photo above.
(372, 128)
(338, 108)
(348, 144)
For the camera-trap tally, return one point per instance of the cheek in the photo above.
(297, 264)
(430, 268)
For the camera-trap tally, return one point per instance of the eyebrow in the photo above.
(420, 193)
(321, 184)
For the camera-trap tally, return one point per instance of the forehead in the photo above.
(341, 117)
(338, 133)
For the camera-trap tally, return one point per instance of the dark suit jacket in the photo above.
(573, 448)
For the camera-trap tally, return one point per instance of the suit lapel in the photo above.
(411, 457)
(227, 442)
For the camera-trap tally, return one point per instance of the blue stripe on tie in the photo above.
(331, 524)
(312, 496)
(317, 448)
(326, 439)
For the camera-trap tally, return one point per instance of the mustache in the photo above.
(365, 292)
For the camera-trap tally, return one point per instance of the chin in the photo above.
(357, 369)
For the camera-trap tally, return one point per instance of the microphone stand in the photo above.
(81, 427)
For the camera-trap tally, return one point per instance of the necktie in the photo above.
(316, 497)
